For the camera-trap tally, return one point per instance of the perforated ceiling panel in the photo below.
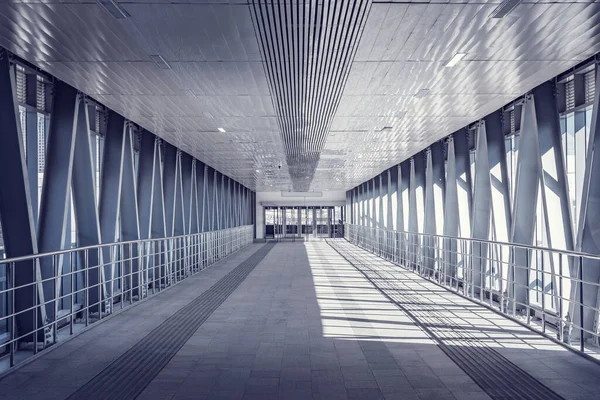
(308, 47)
(271, 75)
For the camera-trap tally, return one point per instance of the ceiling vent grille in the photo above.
(308, 47)
(570, 94)
(590, 86)
(113, 8)
(504, 8)
(21, 85)
(512, 122)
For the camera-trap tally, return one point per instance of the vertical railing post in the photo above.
(87, 286)
(543, 296)
(121, 277)
(581, 329)
(528, 296)
(482, 272)
(36, 310)
(73, 276)
(560, 298)
(56, 295)
(13, 328)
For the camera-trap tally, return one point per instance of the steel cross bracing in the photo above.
(504, 237)
(137, 189)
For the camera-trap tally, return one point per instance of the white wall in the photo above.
(330, 198)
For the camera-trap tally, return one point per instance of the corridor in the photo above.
(322, 320)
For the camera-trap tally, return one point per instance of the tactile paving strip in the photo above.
(129, 375)
(495, 374)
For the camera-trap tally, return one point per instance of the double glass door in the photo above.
(303, 222)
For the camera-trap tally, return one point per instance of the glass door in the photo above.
(291, 222)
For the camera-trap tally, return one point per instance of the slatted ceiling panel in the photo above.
(219, 77)
(308, 48)
(467, 91)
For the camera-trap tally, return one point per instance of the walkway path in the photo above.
(307, 322)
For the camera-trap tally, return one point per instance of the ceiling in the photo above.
(307, 103)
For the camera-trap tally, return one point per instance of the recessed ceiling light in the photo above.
(113, 8)
(504, 8)
(221, 130)
(422, 93)
(457, 57)
(360, 156)
(258, 170)
(160, 61)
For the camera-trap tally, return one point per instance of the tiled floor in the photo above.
(304, 324)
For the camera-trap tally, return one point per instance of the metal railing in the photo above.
(538, 286)
(88, 284)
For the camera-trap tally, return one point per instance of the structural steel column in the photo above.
(434, 203)
(204, 196)
(500, 200)
(31, 127)
(56, 190)
(526, 195)
(588, 235)
(109, 205)
(187, 165)
(194, 213)
(404, 192)
(361, 191)
(482, 213)
(129, 218)
(146, 201)
(216, 200)
(413, 214)
(178, 216)
(391, 198)
(84, 194)
(158, 204)
(372, 202)
(145, 182)
(368, 200)
(383, 188)
(554, 187)
(451, 214)
(170, 186)
(16, 216)
(210, 192)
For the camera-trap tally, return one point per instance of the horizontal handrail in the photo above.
(570, 253)
(83, 285)
(543, 286)
(99, 246)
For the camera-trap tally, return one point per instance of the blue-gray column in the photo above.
(451, 213)
(109, 204)
(210, 200)
(482, 213)
(201, 188)
(194, 214)
(145, 182)
(524, 209)
(554, 191)
(56, 189)
(31, 126)
(588, 235)
(178, 216)
(16, 216)
(186, 186)
(158, 200)
(129, 219)
(500, 201)
(84, 193)
(169, 185)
